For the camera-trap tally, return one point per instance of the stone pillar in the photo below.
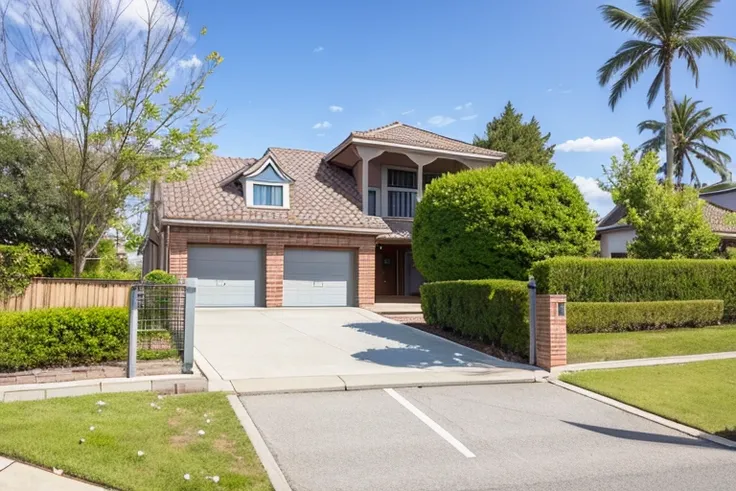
(551, 331)
(274, 275)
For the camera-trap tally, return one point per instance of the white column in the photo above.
(420, 180)
(366, 155)
(421, 160)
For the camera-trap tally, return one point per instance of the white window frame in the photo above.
(378, 201)
(384, 183)
(249, 195)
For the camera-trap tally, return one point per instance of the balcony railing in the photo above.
(401, 203)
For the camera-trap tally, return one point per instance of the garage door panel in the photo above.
(227, 276)
(318, 278)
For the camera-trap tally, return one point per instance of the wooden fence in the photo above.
(71, 292)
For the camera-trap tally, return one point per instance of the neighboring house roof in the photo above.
(719, 187)
(322, 194)
(715, 216)
(400, 229)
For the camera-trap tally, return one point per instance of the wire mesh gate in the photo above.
(159, 309)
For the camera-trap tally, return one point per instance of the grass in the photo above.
(583, 348)
(47, 433)
(701, 395)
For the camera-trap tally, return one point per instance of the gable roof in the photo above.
(398, 133)
(322, 194)
(715, 216)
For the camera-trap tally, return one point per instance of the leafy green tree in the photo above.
(665, 31)
(112, 99)
(31, 210)
(668, 221)
(18, 264)
(495, 222)
(695, 129)
(522, 142)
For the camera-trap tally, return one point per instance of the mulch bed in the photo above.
(417, 321)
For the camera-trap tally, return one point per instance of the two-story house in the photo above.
(303, 228)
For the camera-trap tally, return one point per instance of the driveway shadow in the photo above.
(421, 350)
(645, 437)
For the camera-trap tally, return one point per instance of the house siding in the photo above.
(275, 241)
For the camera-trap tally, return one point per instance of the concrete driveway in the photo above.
(502, 437)
(333, 343)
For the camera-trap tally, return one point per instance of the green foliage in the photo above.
(730, 253)
(18, 264)
(493, 311)
(31, 210)
(62, 337)
(522, 142)
(696, 131)
(669, 222)
(639, 280)
(107, 265)
(156, 345)
(588, 317)
(495, 222)
(161, 277)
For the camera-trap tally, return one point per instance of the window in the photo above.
(427, 178)
(402, 179)
(268, 195)
(373, 202)
(401, 192)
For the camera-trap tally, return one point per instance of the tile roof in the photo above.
(716, 217)
(400, 229)
(404, 134)
(322, 194)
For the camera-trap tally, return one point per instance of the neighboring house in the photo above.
(614, 234)
(303, 228)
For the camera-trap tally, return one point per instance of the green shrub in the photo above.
(587, 317)
(495, 222)
(639, 280)
(62, 337)
(494, 311)
(18, 264)
(161, 277)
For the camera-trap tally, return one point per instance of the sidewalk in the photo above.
(15, 476)
(642, 362)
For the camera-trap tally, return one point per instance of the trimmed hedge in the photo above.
(62, 337)
(494, 311)
(589, 317)
(639, 280)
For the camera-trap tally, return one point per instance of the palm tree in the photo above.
(694, 129)
(665, 31)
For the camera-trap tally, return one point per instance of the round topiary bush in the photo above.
(161, 277)
(495, 222)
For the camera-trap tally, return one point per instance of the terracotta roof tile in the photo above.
(322, 194)
(400, 229)
(404, 134)
(716, 217)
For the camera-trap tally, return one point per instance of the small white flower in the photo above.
(187, 477)
(205, 415)
(81, 440)
(200, 432)
(208, 421)
(101, 403)
(91, 428)
(214, 479)
(58, 472)
(160, 397)
(141, 453)
(99, 411)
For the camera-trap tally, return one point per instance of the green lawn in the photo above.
(48, 433)
(583, 348)
(702, 394)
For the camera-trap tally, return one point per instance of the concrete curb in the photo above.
(278, 480)
(215, 383)
(642, 362)
(646, 415)
(168, 384)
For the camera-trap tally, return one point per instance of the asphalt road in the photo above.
(511, 437)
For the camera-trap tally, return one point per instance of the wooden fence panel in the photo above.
(70, 292)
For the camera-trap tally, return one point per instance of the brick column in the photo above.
(551, 331)
(274, 275)
(367, 275)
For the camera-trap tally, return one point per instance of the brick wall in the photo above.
(551, 332)
(274, 242)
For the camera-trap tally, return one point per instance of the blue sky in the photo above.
(447, 66)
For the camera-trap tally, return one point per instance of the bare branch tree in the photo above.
(103, 87)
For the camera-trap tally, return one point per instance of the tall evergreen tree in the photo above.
(522, 142)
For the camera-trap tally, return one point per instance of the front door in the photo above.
(386, 270)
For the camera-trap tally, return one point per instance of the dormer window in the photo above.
(267, 187)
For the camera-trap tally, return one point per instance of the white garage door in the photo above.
(318, 278)
(228, 276)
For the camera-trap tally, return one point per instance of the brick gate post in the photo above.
(551, 339)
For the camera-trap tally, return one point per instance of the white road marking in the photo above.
(429, 422)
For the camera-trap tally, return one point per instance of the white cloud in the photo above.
(440, 120)
(549, 90)
(322, 125)
(320, 134)
(335, 109)
(407, 112)
(192, 62)
(467, 105)
(318, 49)
(597, 198)
(468, 118)
(588, 144)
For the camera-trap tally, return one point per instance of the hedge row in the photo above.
(494, 311)
(639, 280)
(589, 317)
(62, 337)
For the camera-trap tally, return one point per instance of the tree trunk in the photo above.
(80, 259)
(669, 131)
